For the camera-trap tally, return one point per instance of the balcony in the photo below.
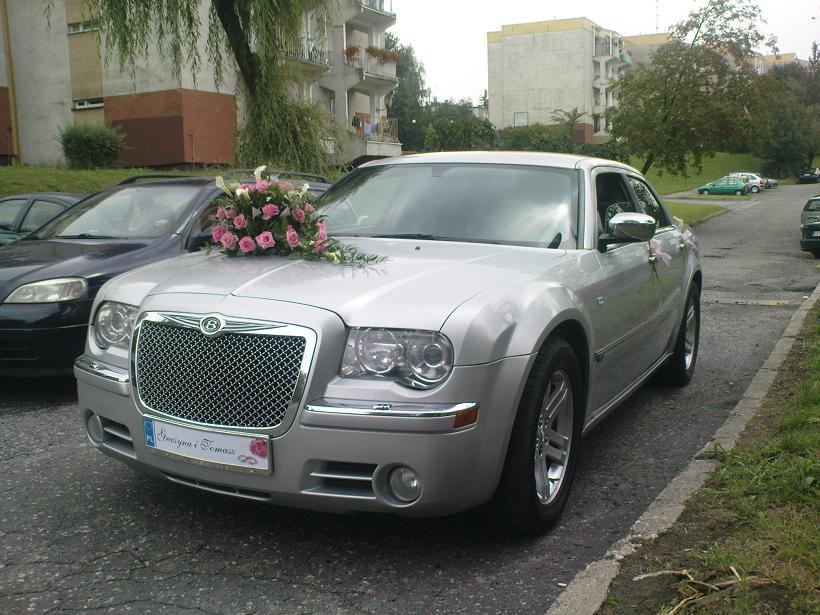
(311, 50)
(383, 130)
(377, 140)
(375, 75)
(374, 12)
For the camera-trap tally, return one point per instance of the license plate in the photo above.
(210, 448)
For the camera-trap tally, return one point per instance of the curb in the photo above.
(589, 588)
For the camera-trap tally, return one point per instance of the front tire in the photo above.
(704, 192)
(543, 451)
(680, 367)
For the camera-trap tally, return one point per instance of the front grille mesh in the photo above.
(233, 380)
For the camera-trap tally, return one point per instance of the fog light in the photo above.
(404, 484)
(94, 427)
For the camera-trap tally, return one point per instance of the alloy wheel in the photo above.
(553, 437)
(690, 333)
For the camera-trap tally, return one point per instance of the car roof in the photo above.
(60, 195)
(540, 159)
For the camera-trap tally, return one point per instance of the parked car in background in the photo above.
(21, 214)
(49, 279)
(810, 227)
(725, 185)
(809, 176)
(754, 182)
(522, 298)
(766, 182)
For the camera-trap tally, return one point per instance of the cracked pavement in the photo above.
(82, 532)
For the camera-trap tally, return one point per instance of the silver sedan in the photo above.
(522, 297)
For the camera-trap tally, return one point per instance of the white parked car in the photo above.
(523, 297)
(754, 182)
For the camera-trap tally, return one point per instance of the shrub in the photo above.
(91, 146)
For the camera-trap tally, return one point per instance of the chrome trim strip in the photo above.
(365, 478)
(408, 411)
(604, 411)
(191, 321)
(86, 364)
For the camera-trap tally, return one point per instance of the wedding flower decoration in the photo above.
(275, 217)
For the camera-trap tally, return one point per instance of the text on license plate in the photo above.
(240, 452)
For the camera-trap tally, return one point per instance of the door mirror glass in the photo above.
(630, 226)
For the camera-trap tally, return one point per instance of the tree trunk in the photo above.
(238, 41)
(650, 159)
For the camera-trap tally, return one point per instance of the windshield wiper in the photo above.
(84, 236)
(410, 236)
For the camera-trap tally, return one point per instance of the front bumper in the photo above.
(42, 338)
(337, 454)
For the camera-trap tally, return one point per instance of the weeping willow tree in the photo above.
(249, 36)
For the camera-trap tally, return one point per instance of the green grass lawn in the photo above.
(14, 180)
(694, 213)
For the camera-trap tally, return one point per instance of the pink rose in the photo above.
(246, 244)
(309, 208)
(228, 241)
(217, 233)
(322, 228)
(230, 213)
(320, 246)
(249, 187)
(292, 237)
(240, 222)
(220, 214)
(265, 240)
(259, 448)
(299, 215)
(262, 185)
(269, 211)
(285, 185)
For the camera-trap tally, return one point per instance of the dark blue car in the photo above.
(49, 279)
(21, 214)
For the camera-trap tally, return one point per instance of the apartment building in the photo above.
(538, 68)
(53, 75)
(764, 63)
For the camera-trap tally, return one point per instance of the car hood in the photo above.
(418, 284)
(29, 260)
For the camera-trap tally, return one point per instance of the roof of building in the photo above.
(540, 27)
(657, 38)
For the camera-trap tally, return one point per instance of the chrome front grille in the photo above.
(228, 380)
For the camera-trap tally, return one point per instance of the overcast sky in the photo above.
(450, 36)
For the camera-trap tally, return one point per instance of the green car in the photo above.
(724, 185)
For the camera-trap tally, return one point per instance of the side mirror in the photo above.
(197, 242)
(628, 227)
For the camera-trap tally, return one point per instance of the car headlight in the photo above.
(50, 291)
(415, 359)
(114, 324)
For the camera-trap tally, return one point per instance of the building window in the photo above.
(521, 118)
(81, 26)
(87, 103)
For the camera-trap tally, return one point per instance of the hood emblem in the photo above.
(211, 325)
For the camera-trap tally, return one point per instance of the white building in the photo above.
(538, 68)
(52, 75)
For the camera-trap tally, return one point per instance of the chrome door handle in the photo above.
(681, 244)
(653, 259)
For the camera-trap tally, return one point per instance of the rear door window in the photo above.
(9, 211)
(812, 205)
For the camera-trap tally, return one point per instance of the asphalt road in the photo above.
(79, 531)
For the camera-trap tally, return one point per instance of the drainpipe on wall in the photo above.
(4, 16)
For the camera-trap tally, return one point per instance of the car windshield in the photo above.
(812, 205)
(136, 212)
(481, 203)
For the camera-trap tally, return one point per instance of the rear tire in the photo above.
(680, 367)
(816, 253)
(738, 192)
(755, 189)
(542, 455)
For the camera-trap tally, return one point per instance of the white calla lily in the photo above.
(220, 183)
(257, 172)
